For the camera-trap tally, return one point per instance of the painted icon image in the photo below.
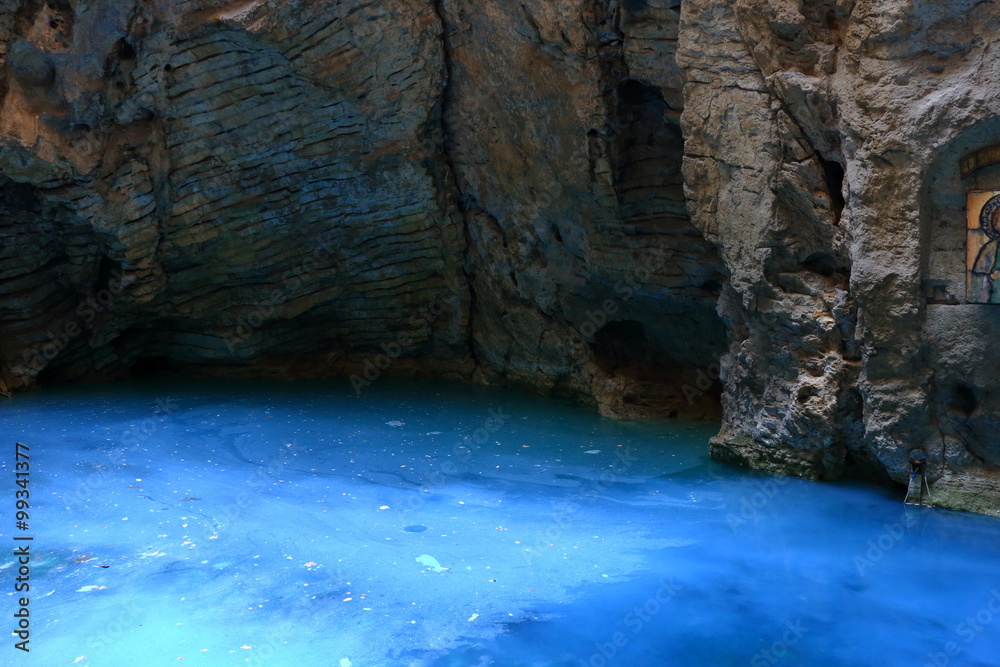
(983, 260)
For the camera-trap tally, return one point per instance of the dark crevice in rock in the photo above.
(107, 270)
(834, 173)
(556, 234)
(445, 147)
(637, 5)
(647, 153)
(659, 361)
(823, 264)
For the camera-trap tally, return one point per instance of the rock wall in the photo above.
(823, 144)
(586, 271)
(648, 205)
(317, 189)
(224, 185)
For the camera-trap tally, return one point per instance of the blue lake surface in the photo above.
(429, 524)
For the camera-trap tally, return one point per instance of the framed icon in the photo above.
(983, 258)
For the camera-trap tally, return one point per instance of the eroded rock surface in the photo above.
(227, 185)
(823, 143)
(316, 189)
(642, 203)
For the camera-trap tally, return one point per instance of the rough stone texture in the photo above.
(640, 203)
(328, 188)
(822, 156)
(586, 271)
(219, 191)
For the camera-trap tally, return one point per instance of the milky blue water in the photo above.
(431, 524)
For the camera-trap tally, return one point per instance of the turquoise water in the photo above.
(430, 524)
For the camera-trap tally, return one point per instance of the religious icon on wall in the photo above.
(983, 258)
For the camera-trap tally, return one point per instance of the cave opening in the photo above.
(155, 366)
(107, 271)
(620, 345)
(656, 372)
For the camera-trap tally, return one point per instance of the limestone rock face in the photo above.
(646, 204)
(823, 143)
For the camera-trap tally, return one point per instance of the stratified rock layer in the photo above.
(228, 192)
(317, 189)
(642, 204)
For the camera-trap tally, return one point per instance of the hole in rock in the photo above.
(107, 271)
(620, 345)
(834, 175)
(821, 263)
(963, 400)
(125, 50)
(711, 286)
(807, 392)
(556, 233)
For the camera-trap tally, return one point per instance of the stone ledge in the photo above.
(967, 489)
(743, 450)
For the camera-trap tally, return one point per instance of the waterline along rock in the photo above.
(757, 210)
